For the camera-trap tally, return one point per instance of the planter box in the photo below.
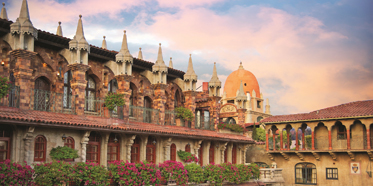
(228, 131)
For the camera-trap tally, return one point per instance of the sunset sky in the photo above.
(306, 54)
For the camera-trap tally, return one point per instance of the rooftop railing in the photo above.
(12, 98)
(44, 100)
(142, 114)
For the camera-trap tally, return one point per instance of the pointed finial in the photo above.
(241, 67)
(59, 29)
(80, 16)
(160, 56)
(140, 54)
(170, 65)
(160, 44)
(104, 46)
(3, 14)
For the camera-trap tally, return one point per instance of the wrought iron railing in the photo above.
(12, 99)
(142, 114)
(169, 118)
(44, 100)
(209, 124)
(94, 106)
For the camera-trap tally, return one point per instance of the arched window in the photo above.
(225, 155)
(198, 119)
(67, 93)
(173, 152)
(113, 148)
(341, 130)
(90, 93)
(40, 148)
(177, 99)
(187, 147)
(5, 139)
(113, 86)
(135, 151)
(41, 94)
(305, 173)
(132, 98)
(212, 153)
(234, 154)
(69, 142)
(200, 155)
(259, 118)
(151, 150)
(230, 120)
(148, 113)
(93, 148)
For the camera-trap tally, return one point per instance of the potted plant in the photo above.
(183, 113)
(112, 101)
(187, 157)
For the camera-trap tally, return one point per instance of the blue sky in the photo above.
(306, 54)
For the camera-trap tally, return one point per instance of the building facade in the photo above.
(56, 99)
(331, 146)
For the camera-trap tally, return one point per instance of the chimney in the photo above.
(205, 87)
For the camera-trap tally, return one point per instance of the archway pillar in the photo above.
(124, 88)
(329, 125)
(23, 75)
(160, 100)
(78, 85)
(367, 123)
(347, 124)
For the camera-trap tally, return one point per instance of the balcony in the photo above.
(142, 114)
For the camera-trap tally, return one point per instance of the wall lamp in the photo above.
(64, 137)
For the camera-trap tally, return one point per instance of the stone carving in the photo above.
(222, 149)
(84, 143)
(130, 142)
(27, 146)
(197, 145)
(228, 108)
(166, 149)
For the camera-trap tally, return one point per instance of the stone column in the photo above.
(296, 140)
(196, 146)
(27, 145)
(23, 75)
(214, 110)
(368, 139)
(124, 88)
(129, 144)
(160, 101)
(144, 142)
(330, 139)
(222, 149)
(288, 140)
(166, 149)
(267, 145)
(303, 140)
(274, 139)
(281, 143)
(241, 116)
(313, 140)
(84, 142)
(78, 85)
(348, 139)
(104, 144)
(190, 103)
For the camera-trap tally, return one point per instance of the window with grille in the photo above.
(332, 173)
(40, 148)
(93, 148)
(67, 93)
(150, 150)
(173, 152)
(305, 173)
(187, 148)
(212, 153)
(5, 138)
(135, 151)
(113, 149)
(69, 142)
(90, 94)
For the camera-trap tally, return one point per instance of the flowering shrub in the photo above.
(4, 86)
(15, 174)
(232, 127)
(187, 157)
(90, 174)
(254, 169)
(214, 174)
(175, 170)
(62, 153)
(125, 173)
(184, 113)
(149, 174)
(53, 173)
(245, 172)
(195, 173)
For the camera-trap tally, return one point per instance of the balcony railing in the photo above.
(51, 101)
(142, 114)
(94, 106)
(12, 99)
(170, 117)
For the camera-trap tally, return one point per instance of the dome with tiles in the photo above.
(249, 81)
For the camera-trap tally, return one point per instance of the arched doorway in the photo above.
(151, 150)
(234, 154)
(42, 93)
(212, 153)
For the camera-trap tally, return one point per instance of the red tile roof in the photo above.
(8, 114)
(347, 110)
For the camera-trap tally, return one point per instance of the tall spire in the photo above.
(268, 111)
(124, 53)
(241, 67)
(59, 29)
(3, 14)
(104, 46)
(24, 13)
(241, 93)
(190, 76)
(214, 83)
(170, 65)
(79, 35)
(140, 54)
(79, 45)
(160, 56)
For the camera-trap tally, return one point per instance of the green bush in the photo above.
(125, 173)
(254, 169)
(53, 173)
(232, 127)
(176, 170)
(187, 157)
(113, 100)
(15, 174)
(214, 174)
(91, 174)
(308, 140)
(184, 113)
(62, 153)
(195, 173)
(260, 134)
(149, 173)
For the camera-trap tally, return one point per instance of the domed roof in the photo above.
(232, 84)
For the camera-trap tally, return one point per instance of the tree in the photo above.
(260, 134)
